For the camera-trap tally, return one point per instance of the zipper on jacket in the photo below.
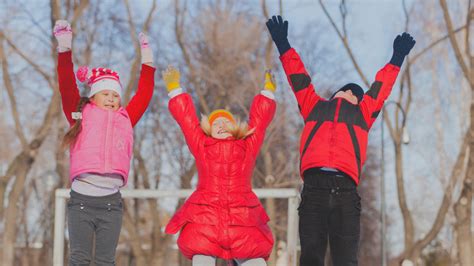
(338, 107)
(107, 143)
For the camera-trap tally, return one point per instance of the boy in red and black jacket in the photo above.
(333, 150)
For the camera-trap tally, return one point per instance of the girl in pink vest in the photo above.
(101, 144)
(223, 218)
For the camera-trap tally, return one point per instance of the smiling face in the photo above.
(107, 99)
(348, 96)
(220, 127)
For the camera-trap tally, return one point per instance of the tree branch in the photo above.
(454, 43)
(433, 44)
(346, 45)
(447, 197)
(79, 10)
(35, 66)
(179, 22)
(470, 13)
(136, 44)
(269, 42)
(11, 95)
(406, 76)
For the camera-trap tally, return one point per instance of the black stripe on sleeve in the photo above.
(300, 81)
(375, 89)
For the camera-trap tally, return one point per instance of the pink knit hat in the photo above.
(99, 79)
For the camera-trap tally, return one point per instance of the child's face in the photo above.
(107, 99)
(348, 96)
(219, 128)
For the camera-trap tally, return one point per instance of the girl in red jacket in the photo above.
(223, 218)
(101, 141)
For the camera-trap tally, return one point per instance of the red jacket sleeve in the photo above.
(300, 82)
(374, 98)
(140, 101)
(67, 85)
(183, 111)
(262, 111)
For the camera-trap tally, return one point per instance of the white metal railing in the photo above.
(291, 194)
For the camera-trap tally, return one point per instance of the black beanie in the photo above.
(356, 90)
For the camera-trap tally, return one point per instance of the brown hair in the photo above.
(73, 132)
(240, 130)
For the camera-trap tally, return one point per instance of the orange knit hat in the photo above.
(221, 113)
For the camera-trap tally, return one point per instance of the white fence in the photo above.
(291, 194)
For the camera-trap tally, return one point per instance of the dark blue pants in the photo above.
(329, 212)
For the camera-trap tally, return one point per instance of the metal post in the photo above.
(382, 207)
(292, 233)
(59, 218)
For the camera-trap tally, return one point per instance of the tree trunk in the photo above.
(463, 213)
(134, 239)
(10, 232)
(270, 204)
(463, 206)
(271, 211)
(409, 230)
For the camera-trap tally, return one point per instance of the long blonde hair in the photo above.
(240, 130)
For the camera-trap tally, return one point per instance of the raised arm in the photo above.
(182, 109)
(140, 101)
(298, 77)
(262, 111)
(67, 81)
(374, 98)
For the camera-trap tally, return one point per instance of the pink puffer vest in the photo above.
(105, 143)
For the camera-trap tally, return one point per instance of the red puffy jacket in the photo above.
(223, 217)
(335, 132)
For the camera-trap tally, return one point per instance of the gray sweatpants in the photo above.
(89, 216)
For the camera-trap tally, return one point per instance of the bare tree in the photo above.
(463, 205)
(19, 168)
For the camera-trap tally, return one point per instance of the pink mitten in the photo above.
(147, 54)
(63, 33)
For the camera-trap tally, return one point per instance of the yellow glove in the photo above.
(270, 83)
(171, 78)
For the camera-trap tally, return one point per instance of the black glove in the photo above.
(279, 31)
(401, 47)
